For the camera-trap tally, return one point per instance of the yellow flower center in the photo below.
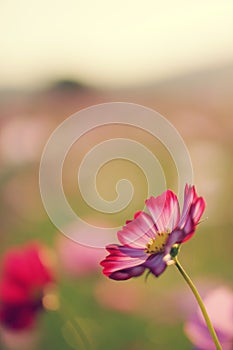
(157, 244)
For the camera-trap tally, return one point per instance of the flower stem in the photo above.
(200, 303)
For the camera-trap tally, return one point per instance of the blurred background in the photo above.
(58, 57)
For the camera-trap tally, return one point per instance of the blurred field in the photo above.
(134, 314)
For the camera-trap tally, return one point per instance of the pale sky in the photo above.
(112, 43)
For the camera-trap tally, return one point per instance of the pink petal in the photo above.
(188, 229)
(191, 213)
(138, 232)
(193, 218)
(189, 226)
(197, 209)
(189, 196)
(193, 205)
(199, 336)
(135, 216)
(176, 236)
(164, 210)
(121, 258)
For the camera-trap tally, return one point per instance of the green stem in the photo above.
(200, 303)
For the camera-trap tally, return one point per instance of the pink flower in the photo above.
(75, 259)
(219, 304)
(25, 275)
(150, 241)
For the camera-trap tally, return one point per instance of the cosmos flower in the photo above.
(150, 241)
(25, 275)
(219, 303)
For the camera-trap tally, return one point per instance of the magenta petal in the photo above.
(125, 274)
(197, 210)
(164, 210)
(124, 251)
(121, 258)
(193, 206)
(192, 210)
(137, 232)
(156, 264)
(189, 196)
(176, 237)
(189, 226)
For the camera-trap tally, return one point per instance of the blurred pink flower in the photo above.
(25, 275)
(76, 259)
(219, 304)
(22, 139)
(147, 241)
